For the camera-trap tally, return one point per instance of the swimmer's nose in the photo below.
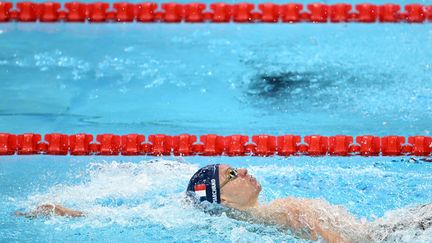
(242, 171)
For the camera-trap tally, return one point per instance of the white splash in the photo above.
(412, 224)
(121, 181)
(152, 193)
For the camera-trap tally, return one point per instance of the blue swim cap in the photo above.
(204, 184)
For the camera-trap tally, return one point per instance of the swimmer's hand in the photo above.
(51, 210)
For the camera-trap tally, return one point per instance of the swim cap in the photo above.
(204, 184)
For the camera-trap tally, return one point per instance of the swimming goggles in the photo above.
(232, 175)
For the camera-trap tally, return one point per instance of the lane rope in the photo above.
(213, 145)
(147, 12)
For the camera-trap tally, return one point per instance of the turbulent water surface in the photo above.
(136, 200)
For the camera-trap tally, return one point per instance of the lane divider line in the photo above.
(148, 12)
(213, 145)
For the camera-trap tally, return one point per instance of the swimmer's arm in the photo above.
(51, 210)
(329, 235)
(286, 214)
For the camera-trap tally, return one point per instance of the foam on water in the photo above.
(120, 180)
(151, 194)
(412, 224)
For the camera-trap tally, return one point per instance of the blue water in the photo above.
(131, 199)
(351, 79)
(203, 78)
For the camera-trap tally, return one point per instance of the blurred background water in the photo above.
(209, 78)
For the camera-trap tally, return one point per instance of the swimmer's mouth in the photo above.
(255, 183)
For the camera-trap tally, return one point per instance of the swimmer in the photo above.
(236, 191)
(306, 218)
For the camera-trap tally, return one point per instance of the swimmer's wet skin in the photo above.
(236, 189)
(51, 209)
(237, 192)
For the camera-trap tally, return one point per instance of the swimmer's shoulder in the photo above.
(288, 208)
(291, 202)
(282, 209)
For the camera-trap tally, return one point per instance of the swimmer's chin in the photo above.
(259, 187)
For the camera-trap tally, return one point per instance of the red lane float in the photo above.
(340, 12)
(76, 12)
(97, 12)
(27, 11)
(173, 12)
(389, 13)
(28, 143)
(366, 13)
(369, 145)
(340, 145)
(145, 12)
(318, 13)
(269, 12)
(5, 13)
(213, 145)
(161, 144)
(316, 145)
(415, 13)
(57, 144)
(196, 12)
(290, 13)
(288, 145)
(392, 145)
(125, 12)
(8, 144)
(235, 145)
(242, 12)
(131, 144)
(221, 12)
(429, 13)
(107, 144)
(265, 145)
(421, 145)
(48, 12)
(80, 144)
(183, 144)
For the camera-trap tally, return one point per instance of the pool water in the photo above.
(208, 78)
(140, 199)
(204, 78)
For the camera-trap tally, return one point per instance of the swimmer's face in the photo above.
(241, 192)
